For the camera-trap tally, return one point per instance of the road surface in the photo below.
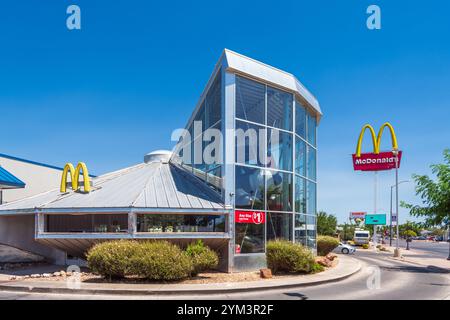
(397, 280)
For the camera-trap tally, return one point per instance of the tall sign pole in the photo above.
(374, 238)
(397, 249)
(379, 161)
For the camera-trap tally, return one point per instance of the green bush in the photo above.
(326, 244)
(365, 246)
(112, 259)
(202, 257)
(317, 268)
(285, 256)
(160, 260)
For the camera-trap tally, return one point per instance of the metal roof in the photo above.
(9, 181)
(153, 186)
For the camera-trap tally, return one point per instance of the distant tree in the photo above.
(409, 234)
(326, 224)
(409, 225)
(435, 195)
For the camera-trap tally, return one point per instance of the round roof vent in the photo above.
(158, 156)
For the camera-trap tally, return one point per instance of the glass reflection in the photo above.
(249, 188)
(300, 119)
(250, 100)
(249, 238)
(300, 195)
(279, 191)
(279, 226)
(279, 109)
(279, 150)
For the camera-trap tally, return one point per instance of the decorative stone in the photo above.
(12, 278)
(46, 275)
(323, 261)
(331, 256)
(56, 274)
(35, 276)
(265, 273)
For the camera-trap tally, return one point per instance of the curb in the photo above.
(131, 292)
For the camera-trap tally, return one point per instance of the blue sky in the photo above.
(114, 90)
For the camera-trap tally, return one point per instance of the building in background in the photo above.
(235, 204)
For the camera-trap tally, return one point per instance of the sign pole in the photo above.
(374, 238)
(397, 250)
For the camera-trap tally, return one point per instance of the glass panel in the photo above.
(250, 100)
(300, 229)
(180, 223)
(311, 197)
(214, 102)
(311, 231)
(249, 238)
(300, 237)
(300, 195)
(279, 109)
(300, 119)
(249, 188)
(279, 226)
(250, 139)
(214, 178)
(279, 191)
(300, 156)
(87, 223)
(311, 163)
(279, 150)
(312, 129)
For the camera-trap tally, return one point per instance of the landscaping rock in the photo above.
(35, 276)
(323, 261)
(56, 274)
(331, 256)
(265, 273)
(46, 275)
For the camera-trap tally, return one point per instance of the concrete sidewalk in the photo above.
(346, 267)
(420, 257)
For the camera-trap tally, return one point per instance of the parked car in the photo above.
(439, 238)
(422, 238)
(344, 248)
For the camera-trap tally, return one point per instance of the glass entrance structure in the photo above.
(253, 139)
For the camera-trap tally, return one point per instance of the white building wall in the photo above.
(38, 178)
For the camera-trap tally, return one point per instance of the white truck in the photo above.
(361, 237)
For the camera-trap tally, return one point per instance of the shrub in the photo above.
(365, 246)
(111, 259)
(317, 268)
(160, 260)
(285, 256)
(326, 244)
(202, 257)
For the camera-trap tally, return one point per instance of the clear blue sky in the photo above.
(115, 90)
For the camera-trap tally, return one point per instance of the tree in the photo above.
(409, 225)
(435, 195)
(326, 224)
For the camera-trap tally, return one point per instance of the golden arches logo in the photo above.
(376, 140)
(75, 177)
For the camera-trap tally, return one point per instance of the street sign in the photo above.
(376, 219)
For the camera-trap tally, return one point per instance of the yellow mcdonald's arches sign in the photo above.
(75, 177)
(376, 160)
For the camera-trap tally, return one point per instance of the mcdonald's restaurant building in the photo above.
(235, 205)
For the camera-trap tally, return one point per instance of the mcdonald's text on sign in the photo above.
(376, 162)
(252, 217)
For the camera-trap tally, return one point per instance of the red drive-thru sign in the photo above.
(375, 161)
(253, 217)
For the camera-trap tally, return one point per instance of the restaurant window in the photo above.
(168, 223)
(279, 109)
(300, 157)
(311, 163)
(312, 123)
(250, 100)
(250, 143)
(279, 191)
(279, 226)
(249, 188)
(311, 197)
(249, 238)
(300, 195)
(279, 150)
(300, 119)
(86, 223)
